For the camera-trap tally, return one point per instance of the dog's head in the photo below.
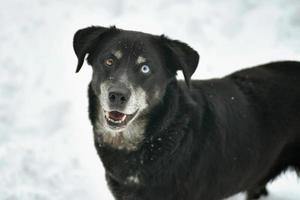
(131, 71)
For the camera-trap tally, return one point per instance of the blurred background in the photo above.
(46, 144)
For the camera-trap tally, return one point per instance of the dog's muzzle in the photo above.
(118, 99)
(118, 96)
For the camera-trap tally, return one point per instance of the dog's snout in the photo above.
(118, 96)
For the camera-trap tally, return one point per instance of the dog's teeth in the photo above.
(115, 121)
(118, 122)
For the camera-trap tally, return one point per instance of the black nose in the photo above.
(118, 96)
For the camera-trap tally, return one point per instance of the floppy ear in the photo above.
(185, 57)
(83, 42)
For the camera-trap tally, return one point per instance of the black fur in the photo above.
(212, 140)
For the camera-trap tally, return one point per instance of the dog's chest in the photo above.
(126, 172)
(122, 166)
(130, 168)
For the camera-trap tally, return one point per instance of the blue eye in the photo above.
(145, 69)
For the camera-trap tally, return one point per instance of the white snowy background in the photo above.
(46, 145)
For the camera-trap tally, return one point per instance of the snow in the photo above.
(46, 145)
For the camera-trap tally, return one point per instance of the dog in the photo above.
(164, 139)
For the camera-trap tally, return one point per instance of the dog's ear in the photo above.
(185, 57)
(83, 41)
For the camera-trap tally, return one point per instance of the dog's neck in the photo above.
(168, 121)
(163, 114)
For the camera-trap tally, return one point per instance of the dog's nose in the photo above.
(118, 96)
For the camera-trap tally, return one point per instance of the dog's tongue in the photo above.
(117, 116)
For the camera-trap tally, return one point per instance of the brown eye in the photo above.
(109, 62)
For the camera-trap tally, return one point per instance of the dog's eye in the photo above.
(109, 62)
(145, 69)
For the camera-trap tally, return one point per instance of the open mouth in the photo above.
(118, 120)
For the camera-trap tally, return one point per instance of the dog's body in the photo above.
(207, 141)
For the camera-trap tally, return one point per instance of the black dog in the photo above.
(163, 139)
